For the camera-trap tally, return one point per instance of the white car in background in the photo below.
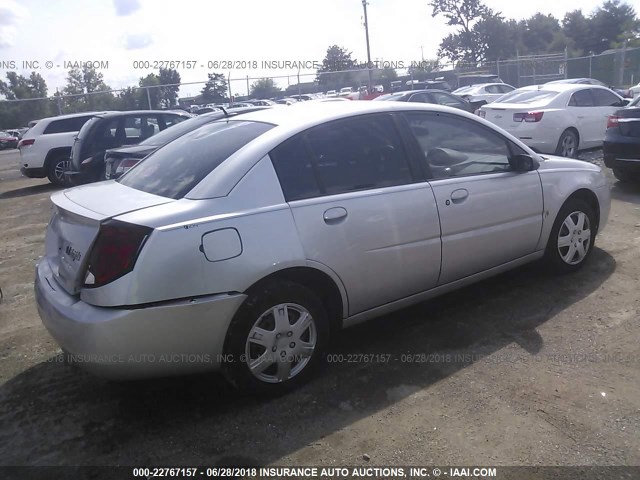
(45, 148)
(558, 118)
(635, 90)
(483, 93)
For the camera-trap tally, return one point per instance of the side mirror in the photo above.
(524, 163)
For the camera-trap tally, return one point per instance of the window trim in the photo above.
(422, 159)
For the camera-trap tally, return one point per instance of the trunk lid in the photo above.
(75, 223)
(629, 122)
(501, 114)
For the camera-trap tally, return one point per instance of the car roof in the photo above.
(561, 87)
(139, 112)
(70, 115)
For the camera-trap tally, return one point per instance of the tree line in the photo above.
(483, 35)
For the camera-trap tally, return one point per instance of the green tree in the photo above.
(264, 88)
(420, 69)
(149, 94)
(129, 99)
(336, 60)
(613, 24)
(84, 81)
(169, 95)
(215, 90)
(464, 45)
(575, 27)
(19, 87)
(537, 33)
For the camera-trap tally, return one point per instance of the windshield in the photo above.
(171, 133)
(173, 170)
(528, 96)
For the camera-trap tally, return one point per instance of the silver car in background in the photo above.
(243, 244)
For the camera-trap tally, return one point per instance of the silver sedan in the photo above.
(243, 244)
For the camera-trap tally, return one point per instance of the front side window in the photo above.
(342, 156)
(446, 99)
(456, 146)
(604, 98)
(175, 169)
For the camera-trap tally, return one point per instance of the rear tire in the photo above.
(625, 175)
(568, 144)
(56, 168)
(572, 237)
(276, 339)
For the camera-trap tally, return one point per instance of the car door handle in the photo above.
(334, 215)
(459, 195)
(580, 116)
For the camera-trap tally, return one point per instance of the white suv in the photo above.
(46, 147)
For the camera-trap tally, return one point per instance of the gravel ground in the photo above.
(523, 369)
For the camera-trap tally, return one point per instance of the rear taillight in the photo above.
(25, 142)
(612, 121)
(125, 165)
(114, 252)
(530, 117)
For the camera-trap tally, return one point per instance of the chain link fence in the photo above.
(619, 68)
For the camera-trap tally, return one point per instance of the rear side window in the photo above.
(66, 125)
(581, 98)
(342, 156)
(175, 169)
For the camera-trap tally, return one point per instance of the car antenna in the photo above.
(226, 114)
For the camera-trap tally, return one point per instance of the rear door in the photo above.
(586, 114)
(606, 103)
(489, 214)
(360, 209)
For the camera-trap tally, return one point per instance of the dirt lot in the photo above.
(526, 369)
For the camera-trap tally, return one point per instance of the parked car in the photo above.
(635, 90)
(625, 93)
(483, 93)
(439, 97)
(119, 161)
(46, 147)
(8, 140)
(331, 93)
(243, 244)
(240, 105)
(263, 103)
(346, 91)
(555, 118)
(621, 145)
(478, 78)
(429, 84)
(17, 132)
(110, 130)
(204, 110)
(286, 101)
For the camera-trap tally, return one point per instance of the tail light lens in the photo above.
(612, 121)
(125, 165)
(114, 252)
(530, 117)
(26, 142)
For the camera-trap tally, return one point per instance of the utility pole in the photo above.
(366, 30)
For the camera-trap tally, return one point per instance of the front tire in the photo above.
(55, 171)
(572, 237)
(568, 144)
(276, 339)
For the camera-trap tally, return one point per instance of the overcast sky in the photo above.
(124, 31)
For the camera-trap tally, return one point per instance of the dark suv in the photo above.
(112, 130)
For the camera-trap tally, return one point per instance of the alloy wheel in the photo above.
(574, 238)
(281, 343)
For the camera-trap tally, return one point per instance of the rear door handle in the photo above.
(459, 195)
(334, 215)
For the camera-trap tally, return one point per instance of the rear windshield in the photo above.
(171, 133)
(175, 169)
(390, 96)
(528, 96)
